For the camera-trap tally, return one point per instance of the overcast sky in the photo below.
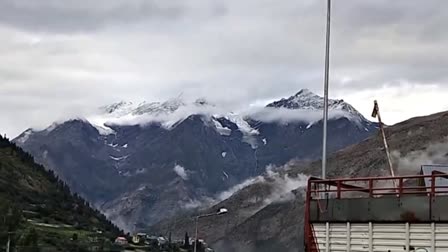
(63, 58)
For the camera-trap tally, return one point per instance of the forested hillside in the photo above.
(38, 211)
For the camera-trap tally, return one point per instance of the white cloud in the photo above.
(400, 101)
(228, 193)
(434, 153)
(181, 172)
(282, 186)
(283, 115)
(210, 113)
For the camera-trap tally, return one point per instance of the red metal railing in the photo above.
(369, 187)
(377, 186)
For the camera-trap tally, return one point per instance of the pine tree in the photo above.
(187, 241)
(31, 241)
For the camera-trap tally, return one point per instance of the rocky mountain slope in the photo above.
(39, 208)
(267, 215)
(140, 163)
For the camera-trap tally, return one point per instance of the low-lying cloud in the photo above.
(409, 164)
(205, 201)
(282, 187)
(181, 172)
(283, 115)
(169, 118)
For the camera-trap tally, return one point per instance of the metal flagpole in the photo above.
(376, 113)
(196, 234)
(326, 78)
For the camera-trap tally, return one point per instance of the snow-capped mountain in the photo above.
(125, 108)
(182, 151)
(304, 107)
(307, 100)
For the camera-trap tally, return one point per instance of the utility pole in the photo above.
(221, 211)
(326, 79)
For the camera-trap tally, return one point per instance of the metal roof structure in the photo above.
(438, 169)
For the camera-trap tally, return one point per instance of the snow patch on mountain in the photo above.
(249, 133)
(224, 131)
(181, 172)
(168, 113)
(242, 124)
(52, 127)
(24, 136)
(103, 130)
(118, 158)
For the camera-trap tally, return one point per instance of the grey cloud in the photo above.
(68, 56)
(82, 15)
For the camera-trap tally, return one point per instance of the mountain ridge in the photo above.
(216, 152)
(414, 142)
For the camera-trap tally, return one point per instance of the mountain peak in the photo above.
(305, 93)
(307, 100)
(304, 99)
(203, 102)
(126, 108)
(118, 108)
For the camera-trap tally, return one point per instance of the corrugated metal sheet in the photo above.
(428, 169)
(373, 237)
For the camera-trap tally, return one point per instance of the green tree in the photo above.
(31, 241)
(10, 220)
(187, 241)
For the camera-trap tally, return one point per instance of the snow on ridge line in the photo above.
(180, 110)
(119, 158)
(24, 136)
(103, 130)
(242, 124)
(268, 114)
(224, 131)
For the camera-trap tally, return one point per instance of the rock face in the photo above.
(140, 163)
(260, 219)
